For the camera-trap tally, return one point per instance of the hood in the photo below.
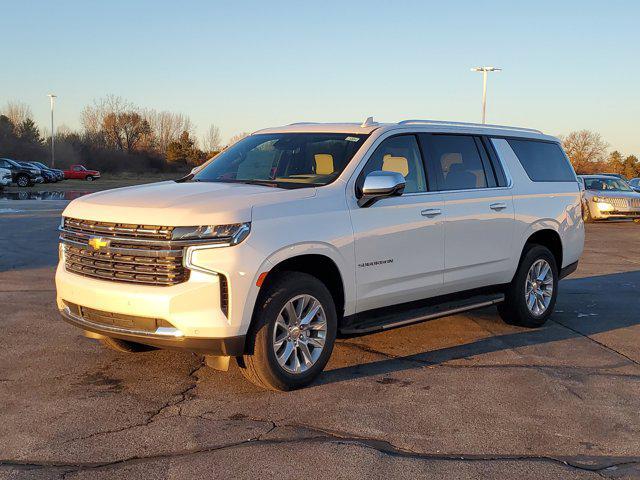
(180, 204)
(612, 194)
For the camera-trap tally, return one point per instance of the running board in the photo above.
(376, 321)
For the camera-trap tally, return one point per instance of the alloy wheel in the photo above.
(299, 334)
(538, 289)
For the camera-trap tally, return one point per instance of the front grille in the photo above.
(619, 203)
(118, 229)
(139, 254)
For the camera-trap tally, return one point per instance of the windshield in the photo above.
(285, 160)
(610, 184)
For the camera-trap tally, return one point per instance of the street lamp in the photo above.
(484, 71)
(52, 98)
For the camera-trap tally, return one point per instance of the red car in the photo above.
(81, 173)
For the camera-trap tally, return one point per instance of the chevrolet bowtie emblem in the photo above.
(98, 242)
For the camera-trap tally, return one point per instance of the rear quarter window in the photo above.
(543, 161)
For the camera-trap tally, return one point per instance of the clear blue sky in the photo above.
(244, 65)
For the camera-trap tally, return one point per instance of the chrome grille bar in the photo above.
(138, 254)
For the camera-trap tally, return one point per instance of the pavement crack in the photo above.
(607, 347)
(182, 397)
(583, 463)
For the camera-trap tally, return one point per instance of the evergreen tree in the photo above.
(29, 133)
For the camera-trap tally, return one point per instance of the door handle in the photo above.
(498, 206)
(430, 212)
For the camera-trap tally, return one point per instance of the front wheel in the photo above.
(89, 178)
(22, 181)
(293, 336)
(531, 296)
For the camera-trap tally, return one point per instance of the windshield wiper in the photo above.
(264, 183)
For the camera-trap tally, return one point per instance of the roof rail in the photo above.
(466, 124)
(303, 123)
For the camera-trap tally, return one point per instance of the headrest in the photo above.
(395, 164)
(324, 163)
(449, 159)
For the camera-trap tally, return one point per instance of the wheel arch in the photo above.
(549, 238)
(318, 265)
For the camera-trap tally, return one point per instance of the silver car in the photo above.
(608, 197)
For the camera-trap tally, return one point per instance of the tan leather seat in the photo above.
(324, 163)
(395, 164)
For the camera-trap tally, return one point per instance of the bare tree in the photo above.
(211, 142)
(93, 117)
(17, 112)
(238, 137)
(584, 147)
(166, 127)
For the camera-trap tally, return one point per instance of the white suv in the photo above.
(297, 234)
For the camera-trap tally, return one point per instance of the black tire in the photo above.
(514, 309)
(124, 346)
(260, 364)
(586, 214)
(23, 181)
(89, 178)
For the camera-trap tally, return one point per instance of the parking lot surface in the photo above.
(459, 397)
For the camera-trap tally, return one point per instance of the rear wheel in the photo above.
(531, 296)
(293, 336)
(125, 346)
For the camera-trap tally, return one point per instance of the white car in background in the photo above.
(608, 197)
(5, 177)
(296, 234)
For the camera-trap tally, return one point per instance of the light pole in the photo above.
(484, 71)
(52, 98)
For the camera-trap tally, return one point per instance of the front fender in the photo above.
(295, 250)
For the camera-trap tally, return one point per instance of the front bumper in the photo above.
(162, 337)
(194, 307)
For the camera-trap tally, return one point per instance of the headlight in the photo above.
(598, 199)
(232, 234)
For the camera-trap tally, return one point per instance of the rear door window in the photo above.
(456, 162)
(543, 161)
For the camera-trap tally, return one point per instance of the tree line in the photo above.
(115, 136)
(589, 153)
(118, 136)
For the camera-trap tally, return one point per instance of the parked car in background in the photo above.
(59, 174)
(21, 175)
(635, 184)
(5, 177)
(47, 176)
(296, 234)
(606, 196)
(79, 172)
(617, 175)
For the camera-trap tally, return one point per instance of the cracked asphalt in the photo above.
(460, 397)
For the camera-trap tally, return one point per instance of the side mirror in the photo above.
(194, 170)
(379, 185)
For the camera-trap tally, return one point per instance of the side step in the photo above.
(414, 312)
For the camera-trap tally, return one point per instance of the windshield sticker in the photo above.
(352, 139)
